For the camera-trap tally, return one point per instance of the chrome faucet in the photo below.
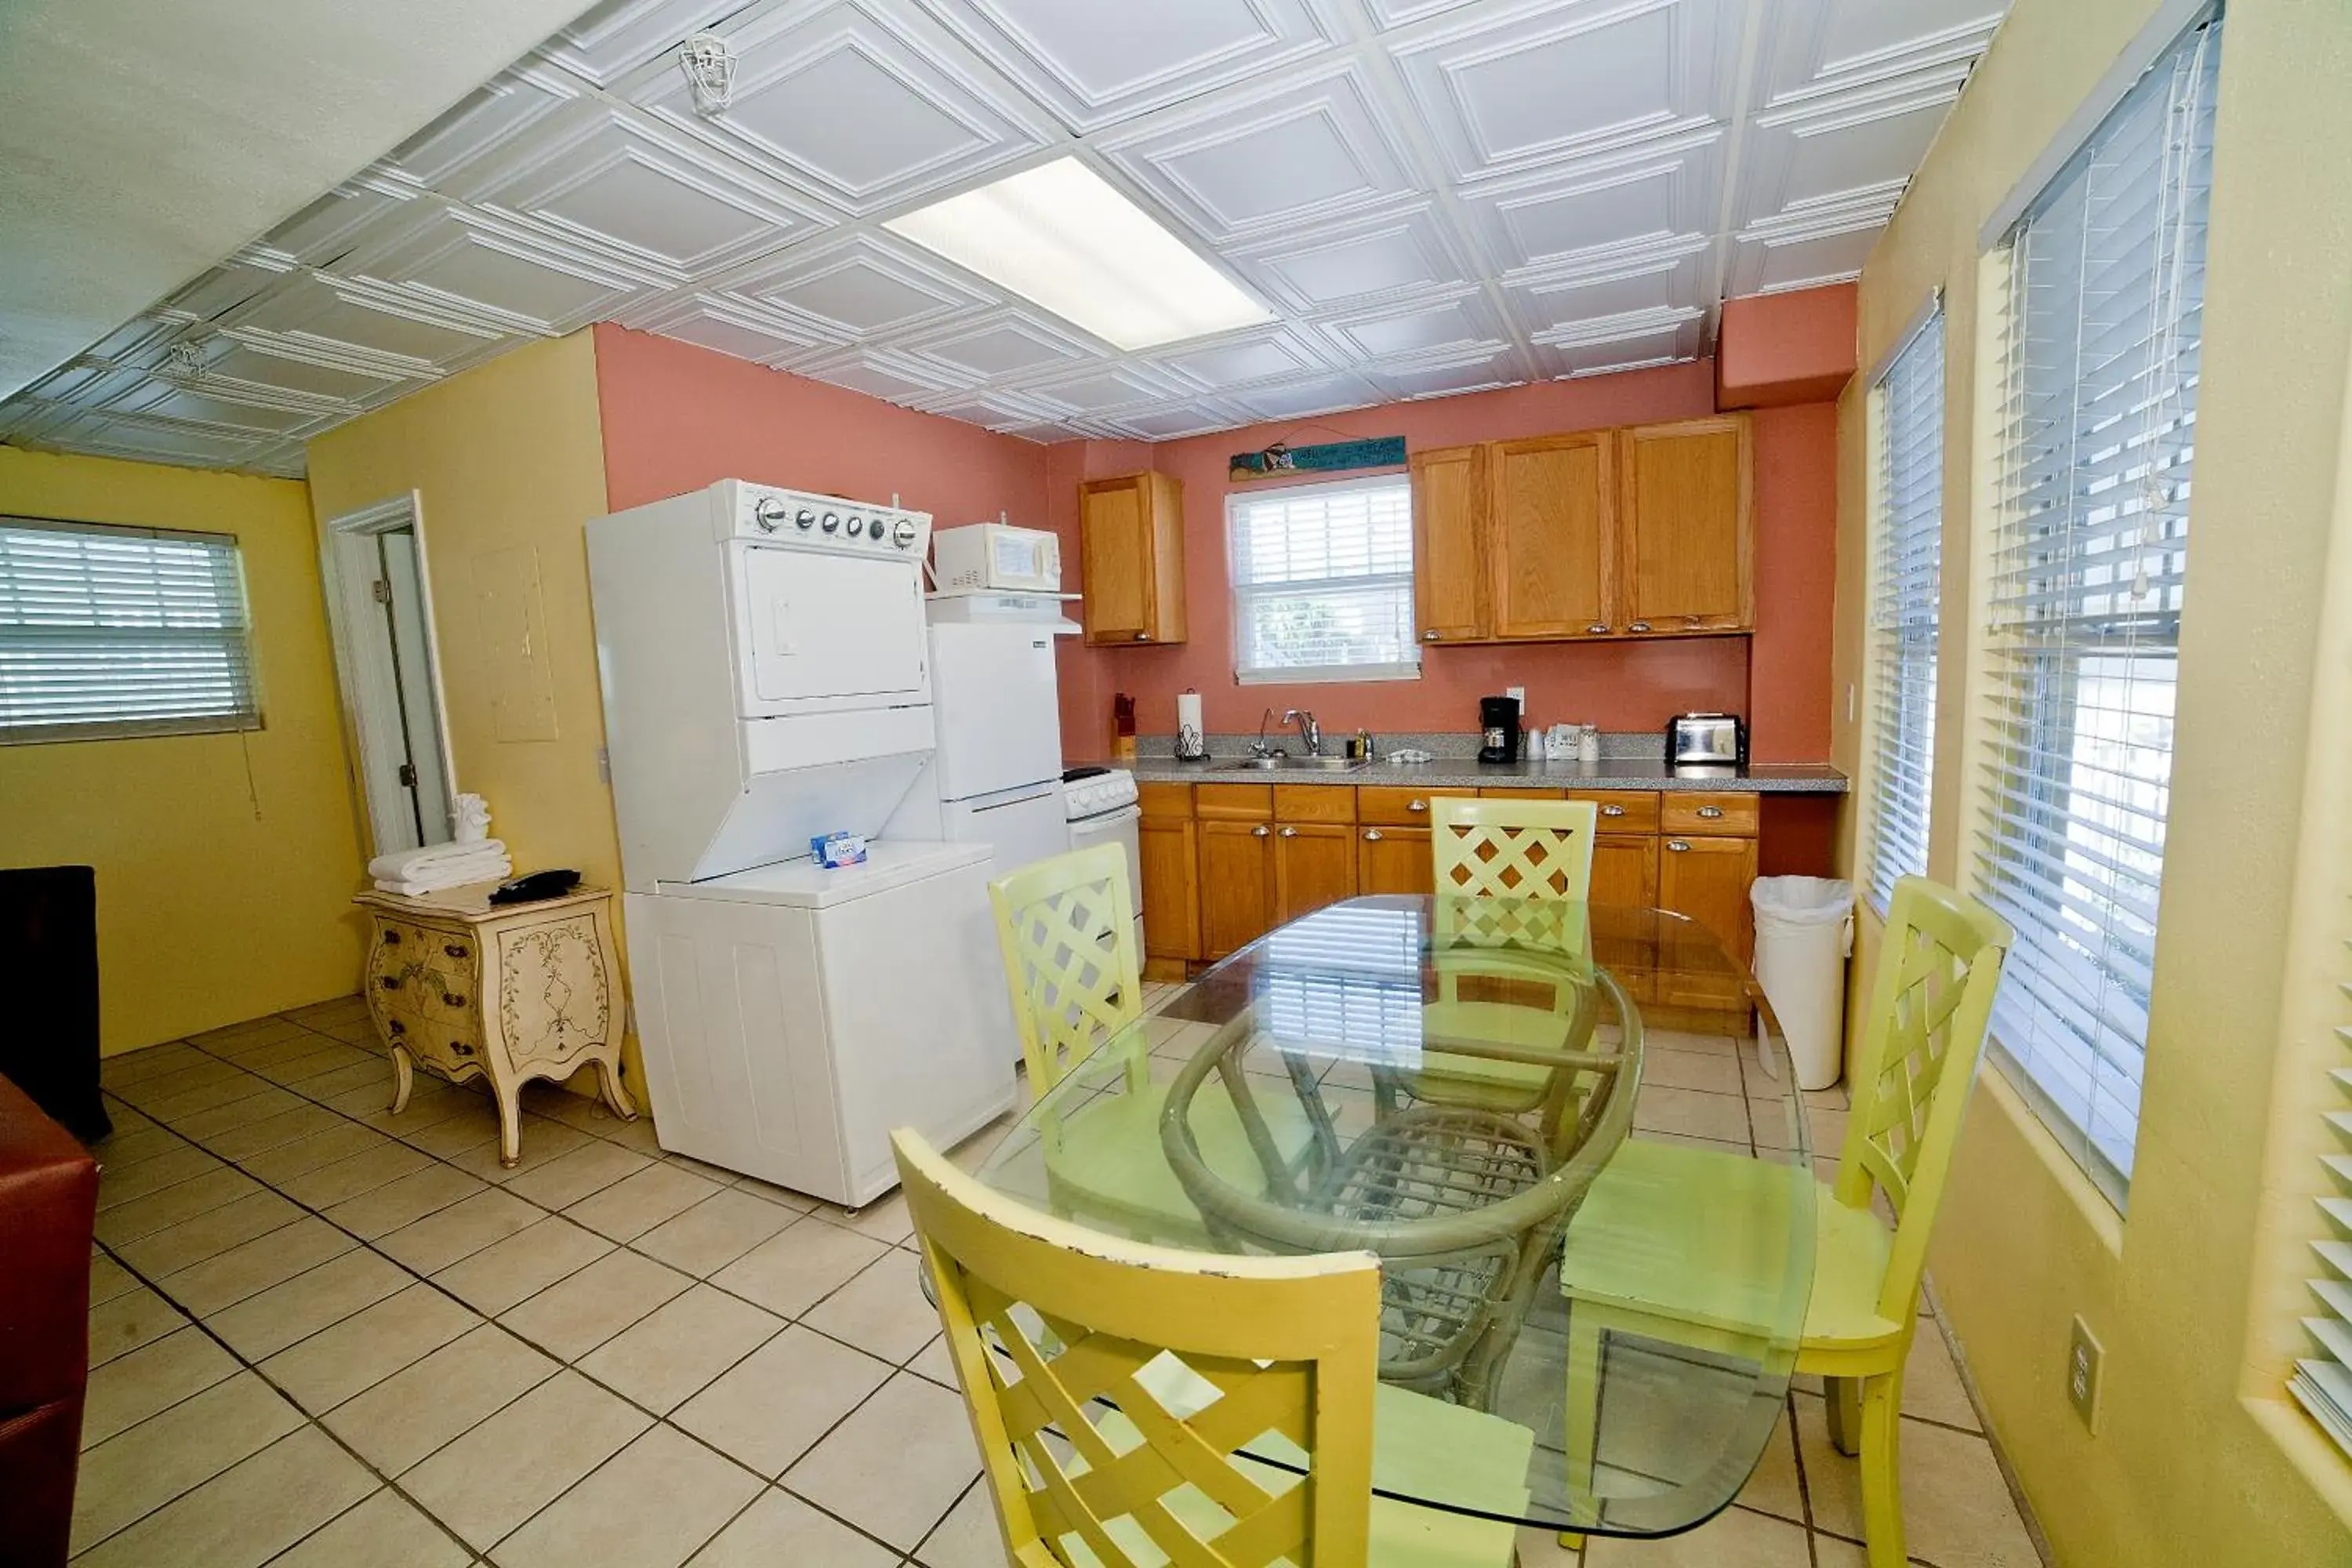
(1309, 732)
(1259, 748)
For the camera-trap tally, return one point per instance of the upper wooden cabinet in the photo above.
(1685, 553)
(1548, 535)
(1131, 556)
(1449, 582)
(1643, 532)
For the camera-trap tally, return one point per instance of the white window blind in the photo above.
(120, 631)
(2095, 432)
(1322, 582)
(1908, 554)
(2322, 1382)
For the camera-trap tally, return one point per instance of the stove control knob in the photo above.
(903, 536)
(768, 514)
(807, 519)
(857, 526)
(831, 523)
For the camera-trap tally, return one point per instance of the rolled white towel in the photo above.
(407, 865)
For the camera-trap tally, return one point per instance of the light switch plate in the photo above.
(2084, 1357)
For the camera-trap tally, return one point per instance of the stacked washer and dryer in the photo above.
(766, 679)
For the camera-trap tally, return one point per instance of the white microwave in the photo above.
(995, 557)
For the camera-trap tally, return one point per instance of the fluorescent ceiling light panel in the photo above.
(1060, 235)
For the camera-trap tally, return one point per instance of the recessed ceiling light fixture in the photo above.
(1062, 236)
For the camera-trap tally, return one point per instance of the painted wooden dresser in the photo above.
(510, 992)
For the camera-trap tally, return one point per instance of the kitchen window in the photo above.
(1322, 580)
(108, 632)
(1907, 528)
(2095, 436)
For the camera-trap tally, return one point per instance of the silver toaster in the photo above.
(1706, 740)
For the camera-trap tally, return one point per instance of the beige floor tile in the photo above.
(885, 1219)
(495, 1477)
(156, 1376)
(427, 1190)
(635, 1204)
(265, 1102)
(124, 1149)
(108, 1278)
(471, 1122)
(1932, 1389)
(357, 1031)
(663, 1361)
(268, 1060)
(324, 1056)
(896, 1465)
(1732, 1539)
(799, 1267)
(1773, 1487)
(781, 1529)
(416, 1411)
(119, 1072)
(464, 1227)
(137, 1471)
(543, 1144)
(188, 1106)
(717, 1173)
(209, 1233)
(118, 1185)
(970, 1536)
(882, 1311)
(1692, 1112)
(782, 1197)
(144, 1217)
(573, 1175)
(636, 1136)
(124, 1322)
(348, 1178)
(336, 1066)
(384, 1531)
(1538, 1548)
(251, 1137)
(253, 1266)
(368, 1097)
(334, 1010)
(289, 1313)
(575, 1315)
(935, 1364)
(1713, 1071)
(1957, 1509)
(281, 1164)
(200, 1071)
(233, 1038)
(505, 1272)
(777, 1402)
(715, 1231)
(369, 1346)
(249, 1514)
(604, 1517)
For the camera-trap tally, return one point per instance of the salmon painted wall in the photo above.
(1619, 686)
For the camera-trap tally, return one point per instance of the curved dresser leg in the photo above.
(510, 1125)
(404, 1079)
(614, 1094)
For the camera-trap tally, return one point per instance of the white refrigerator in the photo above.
(996, 775)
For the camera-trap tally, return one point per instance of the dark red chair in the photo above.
(48, 1197)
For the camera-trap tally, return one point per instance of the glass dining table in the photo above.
(1453, 1083)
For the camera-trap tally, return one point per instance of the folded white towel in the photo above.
(407, 865)
(496, 869)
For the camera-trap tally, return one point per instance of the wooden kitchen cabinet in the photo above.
(1167, 854)
(1314, 865)
(1549, 530)
(1707, 876)
(1235, 826)
(1626, 869)
(1684, 546)
(1449, 580)
(1131, 558)
(1394, 860)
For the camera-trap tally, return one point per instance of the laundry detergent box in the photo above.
(837, 849)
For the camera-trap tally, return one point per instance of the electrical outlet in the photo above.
(2084, 1356)
(604, 765)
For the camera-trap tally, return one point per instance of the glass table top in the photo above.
(1569, 1134)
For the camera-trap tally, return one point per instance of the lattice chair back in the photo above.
(1939, 962)
(1110, 1383)
(1514, 848)
(1067, 928)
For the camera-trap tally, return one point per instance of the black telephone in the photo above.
(534, 886)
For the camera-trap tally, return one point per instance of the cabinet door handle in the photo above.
(459, 1048)
(453, 950)
(389, 981)
(451, 999)
(1143, 637)
(1598, 628)
(1677, 846)
(1371, 835)
(395, 1027)
(391, 937)
(1418, 805)
(1260, 831)
(1612, 811)
(1431, 636)
(1638, 627)
(1710, 812)
(1290, 833)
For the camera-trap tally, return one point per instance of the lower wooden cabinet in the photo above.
(1706, 877)
(1314, 865)
(1237, 885)
(1393, 861)
(1168, 848)
(1626, 869)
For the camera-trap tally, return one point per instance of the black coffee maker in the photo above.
(1498, 725)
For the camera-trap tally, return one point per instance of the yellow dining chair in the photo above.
(1068, 942)
(1514, 848)
(1659, 1246)
(1114, 1387)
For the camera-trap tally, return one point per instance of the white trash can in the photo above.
(1804, 932)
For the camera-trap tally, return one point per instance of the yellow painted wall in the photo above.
(508, 456)
(225, 863)
(2197, 1460)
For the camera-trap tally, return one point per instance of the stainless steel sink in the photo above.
(1291, 765)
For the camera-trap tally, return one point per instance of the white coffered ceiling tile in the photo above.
(1096, 64)
(362, 323)
(1406, 252)
(738, 327)
(1504, 92)
(1674, 277)
(330, 228)
(1450, 375)
(1635, 341)
(1242, 163)
(1238, 359)
(1404, 328)
(605, 176)
(862, 104)
(1112, 388)
(1004, 411)
(131, 436)
(509, 275)
(442, 156)
(880, 373)
(1315, 394)
(1009, 343)
(1854, 149)
(859, 288)
(1598, 208)
(1829, 45)
(1198, 417)
(202, 405)
(608, 41)
(1766, 260)
(254, 358)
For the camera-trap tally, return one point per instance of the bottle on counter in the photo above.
(1588, 743)
(1122, 728)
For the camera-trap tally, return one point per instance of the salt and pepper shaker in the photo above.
(1588, 743)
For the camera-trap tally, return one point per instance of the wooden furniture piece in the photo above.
(1131, 558)
(48, 1200)
(1938, 968)
(1638, 532)
(1514, 848)
(1136, 1405)
(510, 993)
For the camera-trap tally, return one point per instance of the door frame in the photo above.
(374, 738)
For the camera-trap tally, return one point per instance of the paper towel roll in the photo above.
(1188, 712)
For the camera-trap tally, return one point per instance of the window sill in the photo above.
(1327, 675)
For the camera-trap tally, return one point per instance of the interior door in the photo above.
(821, 626)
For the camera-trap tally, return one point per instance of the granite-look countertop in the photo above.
(1465, 773)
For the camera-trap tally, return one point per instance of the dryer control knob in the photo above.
(831, 523)
(768, 514)
(904, 534)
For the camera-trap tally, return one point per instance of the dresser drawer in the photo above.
(1622, 810)
(1710, 811)
(1393, 806)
